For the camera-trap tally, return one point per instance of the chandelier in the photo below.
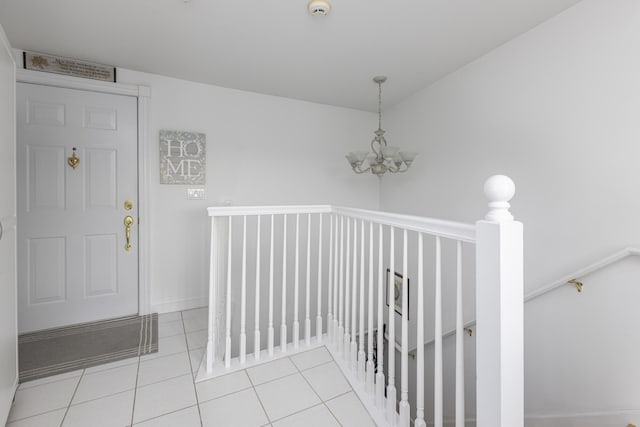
(382, 158)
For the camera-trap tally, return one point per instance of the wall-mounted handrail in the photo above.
(591, 268)
(582, 272)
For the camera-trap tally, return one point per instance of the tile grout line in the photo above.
(102, 397)
(322, 402)
(307, 381)
(352, 391)
(298, 411)
(258, 396)
(193, 381)
(299, 371)
(75, 390)
(162, 415)
(25, 386)
(135, 390)
(226, 394)
(333, 360)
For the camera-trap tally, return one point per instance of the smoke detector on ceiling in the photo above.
(319, 7)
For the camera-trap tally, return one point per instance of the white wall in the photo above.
(8, 302)
(260, 150)
(582, 350)
(557, 109)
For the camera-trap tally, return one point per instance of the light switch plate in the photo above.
(195, 193)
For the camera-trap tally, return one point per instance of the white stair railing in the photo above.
(348, 287)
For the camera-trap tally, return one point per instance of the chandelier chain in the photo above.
(379, 105)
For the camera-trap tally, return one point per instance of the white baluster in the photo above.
(307, 319)
(459, 340)
(319, 296)
(361, 353)
(336, 283)
(437, 376)
(340, 335)
(353, 354)
(256, 334)
(391, 388)
(419, 422)
(331, 283)
(243, 297)
(404, 362)
(369, 381)
(346, 347)
(271, 270)
(296, 323)
(283, 325)
(213, 290)
(380, 356)
(227, 350)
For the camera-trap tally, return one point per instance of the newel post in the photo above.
(499, 311)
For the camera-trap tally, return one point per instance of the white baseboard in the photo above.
(179, 305)
(589, 419)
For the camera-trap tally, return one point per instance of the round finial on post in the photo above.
(499, 189)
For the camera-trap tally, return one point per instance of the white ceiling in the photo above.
(276, 47)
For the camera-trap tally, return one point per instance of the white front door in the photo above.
(76, 260)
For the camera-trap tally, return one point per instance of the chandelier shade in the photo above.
(382, 158)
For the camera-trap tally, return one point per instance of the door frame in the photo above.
(142, 94)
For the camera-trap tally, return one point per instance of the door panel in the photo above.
(101, 265)
(72, 263)
(45, 178)
(100, 179)
(46, 277)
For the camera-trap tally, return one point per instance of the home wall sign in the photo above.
(69, 67)
(183, 157)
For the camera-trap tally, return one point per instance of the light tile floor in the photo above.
(307, 389)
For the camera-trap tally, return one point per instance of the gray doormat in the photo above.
(54, 351)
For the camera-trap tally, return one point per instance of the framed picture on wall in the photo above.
(397, 291)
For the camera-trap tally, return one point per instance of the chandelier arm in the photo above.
(398, 169)
(358, 170)
(373, 148)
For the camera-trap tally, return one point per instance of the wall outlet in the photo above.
(195, 193)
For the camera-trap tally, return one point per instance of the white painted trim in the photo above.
(267, 210)
(142, 93)
(566, 416)
(10, 223)
(144, 211)
(437, 227)
(221, 369)
(180, 305)
(7, 401)
(604, 262)
(70, 82)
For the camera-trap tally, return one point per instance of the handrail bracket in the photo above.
(576, 283)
